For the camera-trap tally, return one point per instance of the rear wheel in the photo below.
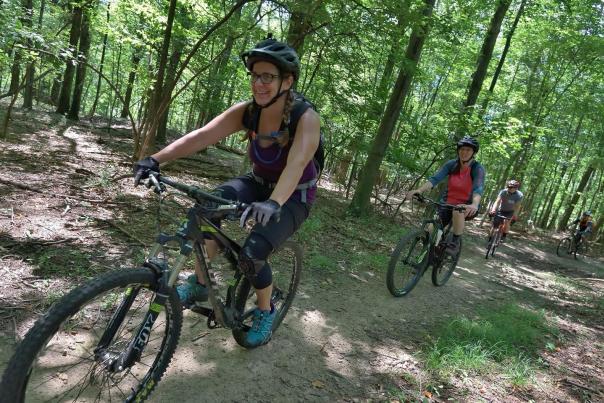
(286, 266)
(407, 262)
(443, 271)
(67, 356)
(563, 248)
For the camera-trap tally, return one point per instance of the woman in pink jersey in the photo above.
(282, 185)
(465, 182)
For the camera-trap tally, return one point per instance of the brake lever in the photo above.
(153, 182)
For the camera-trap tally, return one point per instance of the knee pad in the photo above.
(252, 260)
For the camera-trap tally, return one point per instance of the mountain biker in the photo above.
(464, 188)
(508, 205)
(282, 185)
(585, 223)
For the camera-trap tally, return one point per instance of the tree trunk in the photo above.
(213, 104)
(144, 137)
(76, 100)
(299, 24)
(152, 119)
(506, 48)
(578, 192)
(15, 72)
(170, 77)
(102, 64)
(486, 52)
(361, 200)
(28, 92)
(131, 78)
(74, 35)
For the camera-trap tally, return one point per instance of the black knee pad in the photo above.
(252, 260)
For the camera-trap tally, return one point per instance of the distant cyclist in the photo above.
(465, 181)
(508, 205)
(585, 223)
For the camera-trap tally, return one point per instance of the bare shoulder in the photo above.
(310, 119)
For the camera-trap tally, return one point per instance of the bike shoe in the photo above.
(452, 247)
(262, 328)
(191, 291)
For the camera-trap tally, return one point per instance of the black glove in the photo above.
(143, 167)
(262, 212)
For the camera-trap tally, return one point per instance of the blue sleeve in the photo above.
(478, 179)
(588, 227)
(442, 173)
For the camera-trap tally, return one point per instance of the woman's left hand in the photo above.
(262, 212)
(470, 209)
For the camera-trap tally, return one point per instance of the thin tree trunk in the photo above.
(486, 53)
(80, 77)
(131, 78)
(28, 93)
(74, 35)
(578, 192)
(101, 66)
(506, 48)
(361, 200)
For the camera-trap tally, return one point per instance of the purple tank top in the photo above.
(269, 162)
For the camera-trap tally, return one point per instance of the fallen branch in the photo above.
(573, 383)
(122, 230)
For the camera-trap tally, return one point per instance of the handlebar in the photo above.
(424, 199)
(225, 206)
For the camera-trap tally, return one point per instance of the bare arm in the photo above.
(306, 141)
(228, 122)
(496, 205)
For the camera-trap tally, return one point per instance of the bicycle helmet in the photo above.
(512, 183)
(469, 142)
(279, 53)
(587, 213)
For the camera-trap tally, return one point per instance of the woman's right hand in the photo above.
(143, 167)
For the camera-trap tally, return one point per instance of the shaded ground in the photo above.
(68, 211)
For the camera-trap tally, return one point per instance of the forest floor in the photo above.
(68, 211)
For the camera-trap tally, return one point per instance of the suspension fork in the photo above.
(141, 338)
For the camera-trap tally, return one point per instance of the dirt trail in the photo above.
(345, 339)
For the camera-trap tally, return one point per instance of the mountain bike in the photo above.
(112, 338)
(569, 245)
(495, 236)
(420, 249)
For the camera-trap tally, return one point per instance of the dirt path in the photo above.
(345, 339)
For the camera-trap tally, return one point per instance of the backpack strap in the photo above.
(300, 106)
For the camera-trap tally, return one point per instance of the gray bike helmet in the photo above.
(587, 213)
(469, 142)
(279, 53)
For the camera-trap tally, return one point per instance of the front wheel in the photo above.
(286, 266)
(407, 262)
(72, 353)
(442, 271)
(563, 248)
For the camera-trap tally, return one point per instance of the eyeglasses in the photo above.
(265, 78)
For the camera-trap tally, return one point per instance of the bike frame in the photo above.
(436, 250)
(190, 238)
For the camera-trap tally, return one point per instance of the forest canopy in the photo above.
(396, 83)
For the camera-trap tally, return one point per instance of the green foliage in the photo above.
(64, 262)
(507, 338)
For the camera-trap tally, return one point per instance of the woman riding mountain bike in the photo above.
(507, 205)
(465, 185)
(282, 185)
